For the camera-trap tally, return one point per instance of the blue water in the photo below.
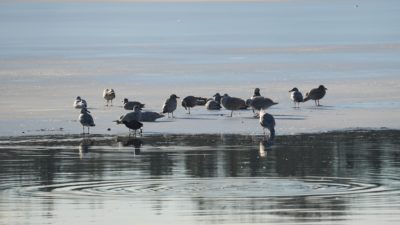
(186, 31)
(212, 41)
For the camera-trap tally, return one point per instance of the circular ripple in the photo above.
(207, 188)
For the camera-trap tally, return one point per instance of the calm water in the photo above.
(340, 178)
(204, 41)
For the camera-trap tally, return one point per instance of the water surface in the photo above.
(338, 177)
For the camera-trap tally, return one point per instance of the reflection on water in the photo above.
(134, 142)
(84, 147)
(316, 178)
(265, 146)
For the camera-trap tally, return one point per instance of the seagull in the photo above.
(189, 102)
(86, 120)
(214, 104)
(148, 116)
(131, 120)
(316, 94)
(201, 101)
(109, 95)
(267, 121)
(258, 103)
(232, 103)
(170, 105)
(79, 103)
(296, 97)
(131, 105)
(135, 115)
(256, 92)
(133, 125)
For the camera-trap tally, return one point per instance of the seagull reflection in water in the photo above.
(134, 142)
(84, 147)
(265, 147)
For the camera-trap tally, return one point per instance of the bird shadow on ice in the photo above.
(210, 114)
(167, 120)
(195, 118)
(289, 117)
(91, 108)
(249, 117)
(321, 107)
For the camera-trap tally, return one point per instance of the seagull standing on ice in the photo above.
(133, 125)
(170, 105)
(130, 105)
(256, 92)
(109, 95)
(214, 104)
(86, 120)
(316, 94)
(80, 103)
(296, 97)
(233, 103)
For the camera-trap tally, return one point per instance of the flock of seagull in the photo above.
(133, 120)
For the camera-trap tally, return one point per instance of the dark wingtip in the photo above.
(117, 121)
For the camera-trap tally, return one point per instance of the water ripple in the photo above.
(216, 188)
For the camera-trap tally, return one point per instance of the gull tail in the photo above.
(306, 98)
(117, 121)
